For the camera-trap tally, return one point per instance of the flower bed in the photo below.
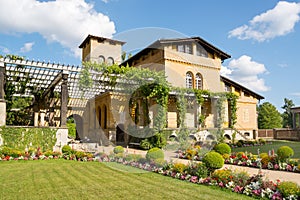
(197, 173)
(270, 160)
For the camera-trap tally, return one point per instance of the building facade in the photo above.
(186, 63)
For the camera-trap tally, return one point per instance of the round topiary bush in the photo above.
(213, 160)
(222, 148)
(288, 188)
(285, 152)
(155, 153)
(66, 149)
(118, 149)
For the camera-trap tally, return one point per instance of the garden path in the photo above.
(272, 175)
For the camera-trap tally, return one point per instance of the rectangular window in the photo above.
(180, 48)
(188, 49)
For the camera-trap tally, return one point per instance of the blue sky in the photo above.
(262, 36)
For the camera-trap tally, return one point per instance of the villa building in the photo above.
(187, 63)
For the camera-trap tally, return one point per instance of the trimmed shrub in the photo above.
(66, 149)
(213, 160)
(284, 152)
(118, 149)
(288, 188)
(155, 153)
(222, 148)
(226, 156)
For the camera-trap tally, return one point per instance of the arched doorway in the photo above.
(78, 125)
(120, 134)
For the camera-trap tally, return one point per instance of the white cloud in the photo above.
(278, 21)
(64, 21)
(246, 72)
(27, 47)
(4, 50)
(296, 94)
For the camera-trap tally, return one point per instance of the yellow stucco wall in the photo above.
(93, 49)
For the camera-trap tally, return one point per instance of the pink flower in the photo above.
(194, 179)
(221, 184)
(238, 189)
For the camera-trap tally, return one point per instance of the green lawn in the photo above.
(275, 145)
(61, 179)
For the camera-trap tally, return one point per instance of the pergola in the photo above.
(49, 78)
(296, 117)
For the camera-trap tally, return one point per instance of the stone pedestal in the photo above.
(36, 119)
(2, 113)
(42, 114)
(61, 139)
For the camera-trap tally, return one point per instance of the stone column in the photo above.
(2, 94)
(42, 114)
(36, 119)
(64, 99)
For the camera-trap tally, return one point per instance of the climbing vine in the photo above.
(146, 85)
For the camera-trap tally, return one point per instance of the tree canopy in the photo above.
(287, 116)
(268, 116)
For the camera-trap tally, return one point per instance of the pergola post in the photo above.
(64, 99)
(2, 94)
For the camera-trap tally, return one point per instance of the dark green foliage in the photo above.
(118, 149)
(284, 152)
(158, 140)
(155, 153)
(213, 160)
(222, 148)
(287, 115)
(288, 188)
(66, 149)
(268, 116)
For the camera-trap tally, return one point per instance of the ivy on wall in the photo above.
(22, 138)
(153, 85)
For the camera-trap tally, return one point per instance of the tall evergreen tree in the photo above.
(287, 116)
(268, 116)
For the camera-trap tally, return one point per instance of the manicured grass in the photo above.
(268, 147)
(62, 179)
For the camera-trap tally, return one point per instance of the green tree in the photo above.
(287, 117)
(268, 116)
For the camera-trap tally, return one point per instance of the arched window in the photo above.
(189, 80)
(101, 59)
(199, 81)
(110, 61)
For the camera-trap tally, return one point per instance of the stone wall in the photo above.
(280, 134)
